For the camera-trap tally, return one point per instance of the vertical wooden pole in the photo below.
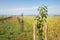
(46, 31)
(34, 31)
(21, 22)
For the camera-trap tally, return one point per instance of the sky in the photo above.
(28, 7)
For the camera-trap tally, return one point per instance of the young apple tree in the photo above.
(41, 18)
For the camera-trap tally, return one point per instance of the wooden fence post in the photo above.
(34, 31)
(46, 31)
(21, 22)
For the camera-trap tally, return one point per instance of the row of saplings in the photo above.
(40, 20)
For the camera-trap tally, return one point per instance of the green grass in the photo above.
(10, 28)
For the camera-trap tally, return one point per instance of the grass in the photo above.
(10, 28)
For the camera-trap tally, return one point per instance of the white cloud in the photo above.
(54, 10)
(18, 11)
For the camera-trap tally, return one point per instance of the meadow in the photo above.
(10, 28)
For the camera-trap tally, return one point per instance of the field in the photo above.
(10, 28)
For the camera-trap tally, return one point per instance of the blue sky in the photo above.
(28, 7)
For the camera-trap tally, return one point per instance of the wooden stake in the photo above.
(34, 31)
(46, 31)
